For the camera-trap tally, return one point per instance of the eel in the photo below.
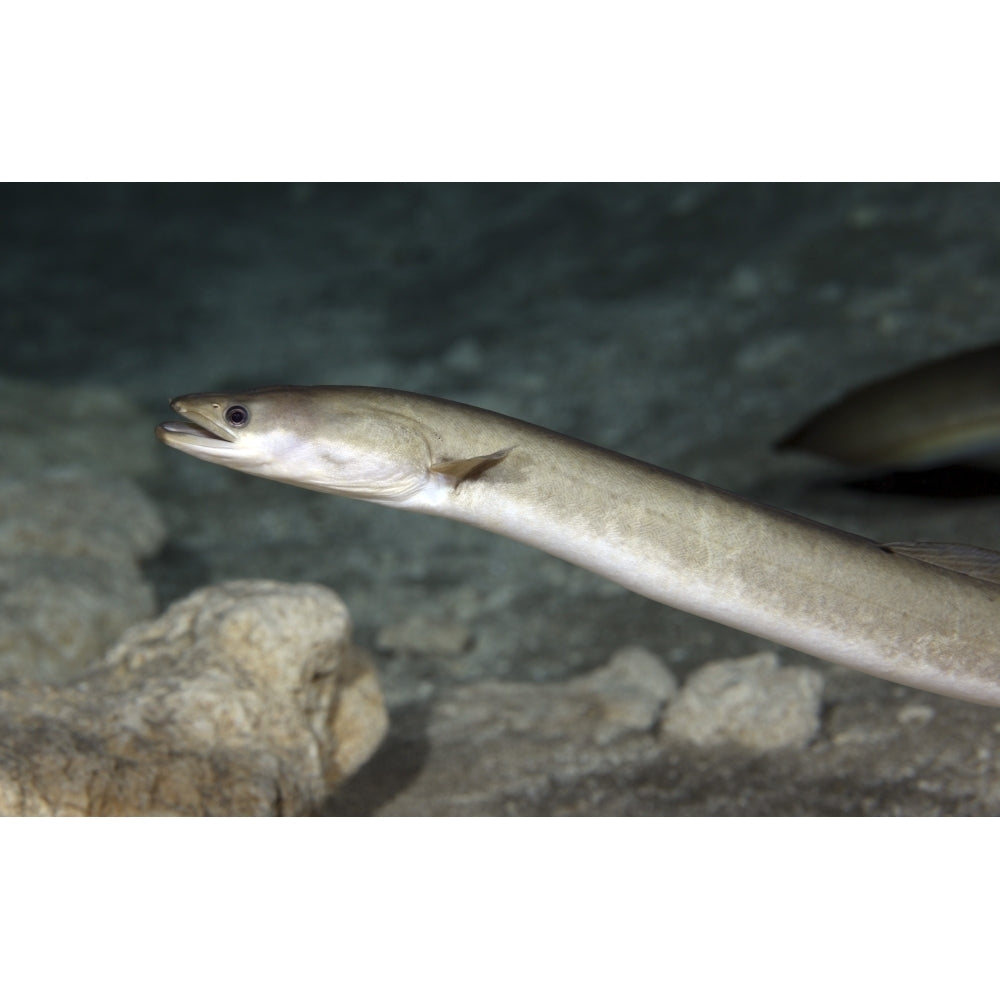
(921, 615)
(937, 413)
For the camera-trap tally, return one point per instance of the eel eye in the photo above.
(237, 416)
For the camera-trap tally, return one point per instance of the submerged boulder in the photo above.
(242, 699)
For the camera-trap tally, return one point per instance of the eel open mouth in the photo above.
(194, 439)
(184, 427)
(201, 434)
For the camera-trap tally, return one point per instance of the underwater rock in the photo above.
(242, 699)
(629, 692)
(494, 747)
(43, 426)
(72, 513)
(69, 576)
(424, 636)
(624, 696)
(749, 701)
(57, 615)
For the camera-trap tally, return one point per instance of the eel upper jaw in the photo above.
(198, 426)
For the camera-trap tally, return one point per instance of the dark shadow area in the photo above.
(956, 482)
(175, 572)
(393, 767)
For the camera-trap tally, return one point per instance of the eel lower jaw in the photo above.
(191, 438)
(183, 427)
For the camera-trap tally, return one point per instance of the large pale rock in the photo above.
(242, 699)
(69, 576)
(750, 701)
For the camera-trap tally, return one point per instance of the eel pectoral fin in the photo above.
(458, 470)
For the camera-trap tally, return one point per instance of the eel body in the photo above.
(675, 540)
(939, 412)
